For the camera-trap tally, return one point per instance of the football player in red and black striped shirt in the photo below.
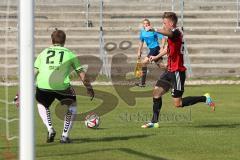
(174, 76)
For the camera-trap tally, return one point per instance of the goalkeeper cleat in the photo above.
(150, 125)
(209, 101)
(65, 140)
(50, 136)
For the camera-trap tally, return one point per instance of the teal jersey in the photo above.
(54, 65)
(151, 38)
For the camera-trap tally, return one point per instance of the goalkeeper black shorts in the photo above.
(46, 97)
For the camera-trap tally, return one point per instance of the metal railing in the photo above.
(103, 54)
(238, 14)
(88, 21)
(181, 9)
(173, 5)
(187, 63)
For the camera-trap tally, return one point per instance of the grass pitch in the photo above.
(184, 134)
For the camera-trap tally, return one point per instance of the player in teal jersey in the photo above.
(52, 69)
(151, 39)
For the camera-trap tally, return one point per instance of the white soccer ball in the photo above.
(92, 120)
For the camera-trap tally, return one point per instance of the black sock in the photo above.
(157, 105)
(144, 75)
(187, 101)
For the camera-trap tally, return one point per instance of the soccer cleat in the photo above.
(65, 140)
(150, 125)
(50, 135)
(209, 101)
(140, 84)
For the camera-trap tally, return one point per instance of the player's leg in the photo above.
(191, 100)
(158, 92)
(68, 123)
(178, 82)
(142, 82)
(145, 62)
(68, 99)
(161, 87)
(209, 101)
(45, 99)
(161, 64)
(178, 89)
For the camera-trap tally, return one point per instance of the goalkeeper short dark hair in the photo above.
(58, 37)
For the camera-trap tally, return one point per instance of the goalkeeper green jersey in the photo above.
(54, 65)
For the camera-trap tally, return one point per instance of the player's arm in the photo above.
(161, 54)
(164, 31)
(82, 75)
(35, 73)
(86, 83)
(140, 46)
(37, 65)
(163, 44)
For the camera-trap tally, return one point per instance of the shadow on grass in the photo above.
(140, 154)
(108, 139)
(98, 128)
(219, 126)
(124, 150)
(89, 140)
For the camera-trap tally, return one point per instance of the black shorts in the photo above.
(46, 97)
(174, 80)
(154, 52)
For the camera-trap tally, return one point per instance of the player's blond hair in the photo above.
(147, 20)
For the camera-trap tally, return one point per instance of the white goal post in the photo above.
(26, 55)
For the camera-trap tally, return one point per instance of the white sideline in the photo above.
(188, 82)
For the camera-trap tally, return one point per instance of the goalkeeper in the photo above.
(52, 68)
